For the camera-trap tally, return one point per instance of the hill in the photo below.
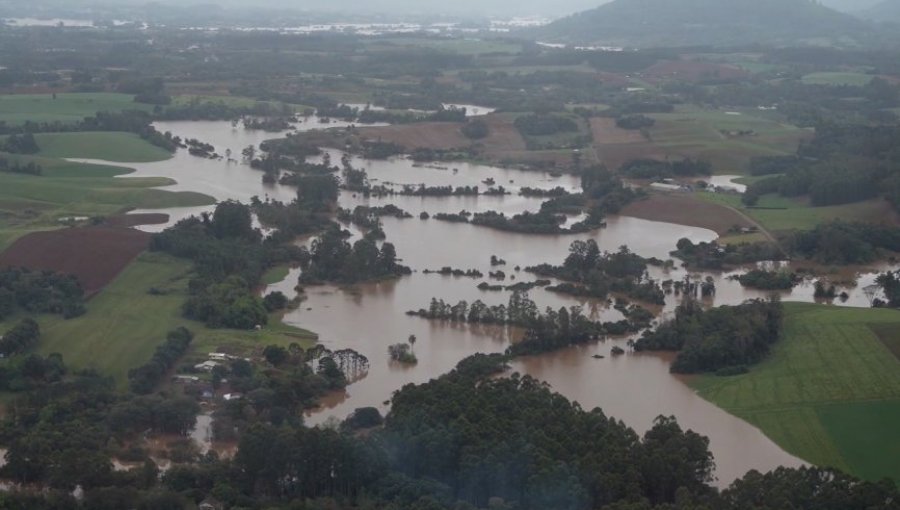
(884, 11)
(645, 23)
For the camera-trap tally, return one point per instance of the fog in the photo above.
(482, 7)
(337, 9)
(400, 8)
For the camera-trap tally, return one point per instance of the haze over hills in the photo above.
(381, 8)
(849, 6)
(643, 23)
(884, 11)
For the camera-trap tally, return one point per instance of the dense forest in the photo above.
(458, 441)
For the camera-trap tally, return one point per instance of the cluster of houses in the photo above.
(204, 388)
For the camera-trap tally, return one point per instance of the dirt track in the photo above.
(94, 255)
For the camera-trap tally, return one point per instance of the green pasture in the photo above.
(108, 146)
(727, 140)
(776, 213)
(69, 107)
(828, 393)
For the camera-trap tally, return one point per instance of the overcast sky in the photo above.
(474, 8)
(549, 8)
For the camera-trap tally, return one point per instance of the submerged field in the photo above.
(829, 392)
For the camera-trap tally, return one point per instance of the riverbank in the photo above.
(828, 393)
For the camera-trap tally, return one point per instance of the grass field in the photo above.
(715, 136)
(19, 108)
(125, 323)
(795, 214)
(31, 203)
(838, 79)
(275, 275)
(829, 392)
(109, 146)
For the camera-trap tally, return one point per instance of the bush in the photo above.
(475, 129)
(20, 338)
(635, 122)
(542, 125)
(275, 301)
(364, 418)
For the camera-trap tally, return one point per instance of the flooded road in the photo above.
(368, 318)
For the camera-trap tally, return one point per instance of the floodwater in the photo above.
(726, 182)
(471, 109)
(368, 318)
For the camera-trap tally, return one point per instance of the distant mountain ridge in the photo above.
(644, 23)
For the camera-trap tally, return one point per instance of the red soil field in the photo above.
(94, 255)
(691, 70)
(432, 135)
(682, 209)
(606, 131)
(134, 220)
(447, 135)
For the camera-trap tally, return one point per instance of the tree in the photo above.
(232, 219)
(275, 355)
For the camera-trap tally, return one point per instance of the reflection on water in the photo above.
(636, 388)
(369, 318)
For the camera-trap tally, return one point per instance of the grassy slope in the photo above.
(109, 146)
(829, 393)
(19, 108)
(795, 214)
(124, 323)
(699, 134)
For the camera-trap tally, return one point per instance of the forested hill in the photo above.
(644, 23)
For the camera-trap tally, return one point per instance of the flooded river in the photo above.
(369, 318)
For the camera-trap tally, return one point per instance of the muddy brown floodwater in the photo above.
(635, 388)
